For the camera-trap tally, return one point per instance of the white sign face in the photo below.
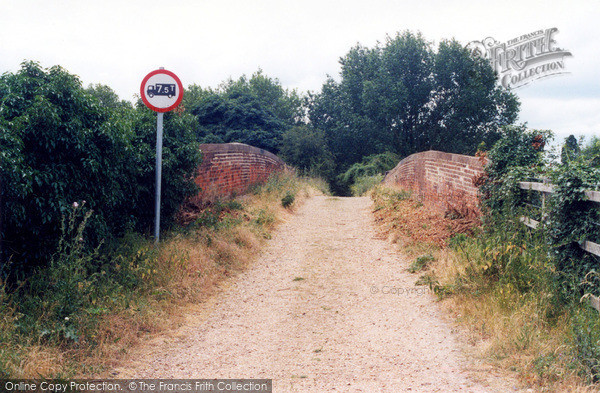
(161, 90)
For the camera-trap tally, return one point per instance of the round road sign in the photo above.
(161, 91)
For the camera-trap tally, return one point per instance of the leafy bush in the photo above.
(255, 111)
(545, 268)
(586, 335)
(306, 149)
(364, 183)
(362, 176)
(517, 155)
(372, 165)
(61, 144)
(573, 220)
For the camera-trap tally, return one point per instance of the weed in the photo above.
(265, 218)
(428, 280)
(288, 200)
(420, 263)
(586, 335)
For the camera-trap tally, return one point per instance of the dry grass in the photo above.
(507, 328)
(410, 221)
(41, 360)
(511, 330)
(207, 258)
(188, 269)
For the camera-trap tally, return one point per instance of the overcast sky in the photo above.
(299, 42)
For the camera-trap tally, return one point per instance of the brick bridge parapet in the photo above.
(438, 177)
(230, 169)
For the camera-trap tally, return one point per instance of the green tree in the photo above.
(107, 97)
(467, 104)
(305, 149)
(256, 111)
(403, 96)
(570, 150)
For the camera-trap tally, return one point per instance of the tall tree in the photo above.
(403, 96)
(467, 105)
(256, 111)
(570, 150)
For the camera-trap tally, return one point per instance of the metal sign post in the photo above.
(159, 138)
(161, 91)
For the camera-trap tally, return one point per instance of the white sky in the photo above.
(299, 42)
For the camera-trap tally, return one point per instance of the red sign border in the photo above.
(143, 94)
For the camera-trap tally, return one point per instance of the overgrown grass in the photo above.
(501, 283)
(363, 184)
(84, 312)
(504, 287)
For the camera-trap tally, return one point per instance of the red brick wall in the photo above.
(229, 169)
(438, 177)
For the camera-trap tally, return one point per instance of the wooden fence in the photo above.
(545, 189)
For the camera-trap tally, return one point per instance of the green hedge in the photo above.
(60, 144)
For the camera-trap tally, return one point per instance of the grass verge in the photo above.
(498, 281)
(80, 316)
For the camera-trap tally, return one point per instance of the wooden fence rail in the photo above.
(546, 189)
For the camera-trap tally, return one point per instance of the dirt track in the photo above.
(327, 306)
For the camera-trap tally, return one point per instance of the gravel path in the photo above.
(328, 306)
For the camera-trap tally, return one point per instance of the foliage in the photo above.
(55, 298)
(420, 263)
(468, 107)
(364, 175)
(90, 305)
(509, 257)
(404, 96)
(375, 164)
(364, 184)
(305, 148)
(573, 221)
(570, 150)
(517, 155)
(278, 185)
(586, 334)
(547, 264)
(591, 152)
(107, 97)
(502, 284)
(62, 143)
(255, 111)
(180, 160)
